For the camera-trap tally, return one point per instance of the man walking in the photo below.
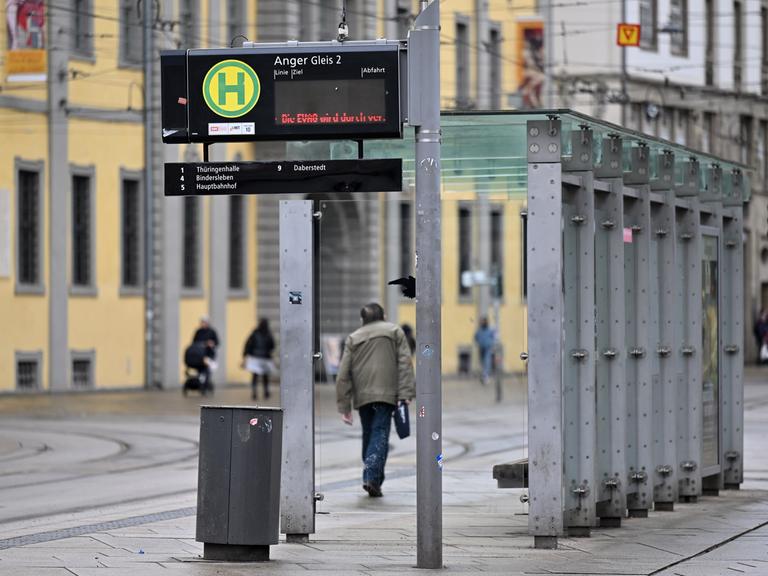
(485, 336)
(375, 373)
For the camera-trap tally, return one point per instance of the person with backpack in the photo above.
(257, 357)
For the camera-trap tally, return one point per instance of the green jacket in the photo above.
(375, 367)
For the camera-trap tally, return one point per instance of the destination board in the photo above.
(280, 92)
(300, 177)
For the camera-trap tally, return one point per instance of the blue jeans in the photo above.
(486, 357)
(376, 419)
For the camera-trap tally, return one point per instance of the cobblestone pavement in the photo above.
(106, 484)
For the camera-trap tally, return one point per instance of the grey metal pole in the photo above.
(149, 297)
(549, 54)
(59, 182)
(424, 94)
(624, 98)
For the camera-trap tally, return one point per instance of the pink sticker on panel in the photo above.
(254, 421)
(628, 235)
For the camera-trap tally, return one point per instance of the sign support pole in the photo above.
(424, 114)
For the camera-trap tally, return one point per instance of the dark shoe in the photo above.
(374, 490)
(266, 393)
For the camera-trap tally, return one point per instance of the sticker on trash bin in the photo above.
(439, 459)
(294, 297)
(254, 421)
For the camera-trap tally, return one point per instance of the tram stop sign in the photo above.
(285, 91)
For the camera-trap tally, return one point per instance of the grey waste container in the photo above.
(238, 488)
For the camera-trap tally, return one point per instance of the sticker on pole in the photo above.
(628, 34)
(627, 235)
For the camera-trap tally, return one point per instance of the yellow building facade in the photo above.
(73, 208)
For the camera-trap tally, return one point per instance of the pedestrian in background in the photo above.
(485, 337)
(206, 335)
(257, 357)
(375, 373)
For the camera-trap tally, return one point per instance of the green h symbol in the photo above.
(238, 88)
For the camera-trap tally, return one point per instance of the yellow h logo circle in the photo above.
(231, 88)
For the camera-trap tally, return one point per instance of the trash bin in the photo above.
(238, 488)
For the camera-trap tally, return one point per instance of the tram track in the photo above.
(125, 449)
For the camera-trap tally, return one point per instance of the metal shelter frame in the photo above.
(635, 324)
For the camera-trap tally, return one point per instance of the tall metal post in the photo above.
(59, 182)
(545, 333)
(611, 375)
(424, 114)
(149, 231)
(549, 54)
(579, 398)
(665, 243)
(732, 448)
(689, 325)
(297, 493)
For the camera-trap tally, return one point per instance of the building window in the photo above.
(738, 45)
(708, 133)
(406, 239)
(131, 34)
(28, 367)
(745, 140)
(82, 370)
(494, 48)
(188, 24)
(132, 234)
(237, 23)
(82, 231)
(678, 20)
(403, 18)
(29, 242)
(191, 243)
(649, 24)
(497, 250)
(465, 247)
(464, 361)
(762, 150)
(82, 29)
(682, 135)
(237, 243)
(462, 65)
(709, 39)
(764, 50)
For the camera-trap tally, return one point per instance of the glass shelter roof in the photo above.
(485, 153)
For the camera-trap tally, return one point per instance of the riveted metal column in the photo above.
(545, 329)
(689, 324)
(732, 446)
(713, 389)
(637, 222)
(297, 508)
(665, 394)
(611, 336)
(579, 315)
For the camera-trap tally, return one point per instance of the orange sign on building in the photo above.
(628, 34)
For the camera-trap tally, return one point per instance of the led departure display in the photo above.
(279, 92)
